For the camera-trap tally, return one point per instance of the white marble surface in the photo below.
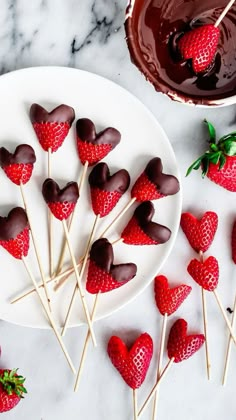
(89, 35)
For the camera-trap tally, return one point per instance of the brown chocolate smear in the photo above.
(152, 34)
(100, 178)
(52, 193)
(144, 214)
(13, 224)
(86, 131)
(102, 254)
(60, 114)
(166, 184)
(23, 154)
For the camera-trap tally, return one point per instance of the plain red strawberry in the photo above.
(199, 45)
(168, 300)
(19, 246)
(92, 153)
(206, 273)
(132, 364)
(11, 389)
(51, 135)
(61, 210)
(233, 242)
(99, 281)
(181, 346)
(219, 162)
(103, 201)
(134, 235)
(19, 173)
(200, 232)
(144, 189)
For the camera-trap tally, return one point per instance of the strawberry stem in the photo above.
(13, 383)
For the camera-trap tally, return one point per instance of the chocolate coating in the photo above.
(166, 184)
(13, 224)
(144, 214)
(102, 254)
(23, 154)
(86, 131)
(52, 193)
(60, 114)
(152, 29)
(100, 178)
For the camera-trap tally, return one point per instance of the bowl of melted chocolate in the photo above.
(153, 29)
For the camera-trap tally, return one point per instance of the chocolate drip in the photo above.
(13, 224)
(100, 178)
(23, 154)
(52, 193)
(86, 131)
(60, 114)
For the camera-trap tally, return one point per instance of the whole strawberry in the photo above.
(168, 300)
(18, 166)
(12, 389)
(61, 202)
(199, 45)
(200, 232)
(219, 162)
(132, 364)
(106, 190)
(14, 233)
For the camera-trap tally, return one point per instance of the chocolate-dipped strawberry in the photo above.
(52, 127)
(103, 276)
(153, 184)
(14, 233)
(18, 166)
(61, 202)
(92, 146)
(142, 231)
(106, 190)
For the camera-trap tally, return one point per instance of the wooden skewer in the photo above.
(49, 316)
(80, 185)
(225, 11)
(224, 315)
(159, 364)
(85, 348)
(24, 294)
(80, 274)
(78, 278)
(204, 312)
(150, 396)
(229, 346)
(35, 247)
(118, 217)
(50, 222)
(135, 404)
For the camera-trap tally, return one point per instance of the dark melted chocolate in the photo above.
(86, 131)
(144, 214)
(166, 184)
(100, 178)
(53, 194)
(60, 114)
(23, 154)
(152, 35)
(13, 224)
(102, 254)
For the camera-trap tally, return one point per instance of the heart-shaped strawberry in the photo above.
(18, 166)
(92, 146)
(142, 231)
(60, 201)
(199, 45)
(52, 127)
(153, 183)
(106, 190)
(169, 299)
(200, 232)
(181, 346)
(132, 364)
(14, 233)
(103, 276)
(206, 273)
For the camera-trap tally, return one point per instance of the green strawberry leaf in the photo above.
(205, 166)
(211, 130)
(195, 165)
(229, 136)
(214, 157)
(229, 147)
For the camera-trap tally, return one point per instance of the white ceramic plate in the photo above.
(142, 138)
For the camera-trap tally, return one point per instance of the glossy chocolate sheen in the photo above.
(60, 114)
(152, 29)
(102, 254)
(166, 184)
(52, 193)
(23, 154)
(100, 178)
(86, 131)
(144, 214)
(13, 224)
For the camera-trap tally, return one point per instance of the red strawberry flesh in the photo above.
(200, 232)
(206, 273)
(168, 300)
